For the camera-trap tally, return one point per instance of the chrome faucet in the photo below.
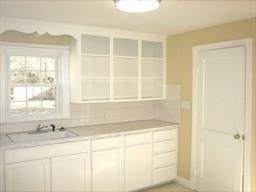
(39, 127)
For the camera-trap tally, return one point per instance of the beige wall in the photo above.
(179, 71)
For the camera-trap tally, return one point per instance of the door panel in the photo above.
(70, 173)
(31, 176)
(221, 82)
(223, 89)
(106, 170)
(138, 167)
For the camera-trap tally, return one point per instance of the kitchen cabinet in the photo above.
(107, 170)
(70, 173)
(118, 162)
(31, 176)
(138, 164)
(107, 164)
(110, 68)
(164, 155)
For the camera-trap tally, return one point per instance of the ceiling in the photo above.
(174, 16)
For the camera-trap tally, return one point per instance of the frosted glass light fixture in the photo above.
(137, 6)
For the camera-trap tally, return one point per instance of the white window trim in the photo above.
(63, 101)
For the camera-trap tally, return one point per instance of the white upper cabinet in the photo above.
(95, 68)
(152, 68)
(125, 69)
(116, 68)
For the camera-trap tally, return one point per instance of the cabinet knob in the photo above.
(237, 136)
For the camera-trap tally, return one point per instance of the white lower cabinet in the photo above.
(70, 173)
(124, 162)
(138, 167)
(31, 176)
(107, 170)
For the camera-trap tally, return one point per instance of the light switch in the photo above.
(185, 104)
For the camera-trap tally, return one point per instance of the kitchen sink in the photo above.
(40, 135)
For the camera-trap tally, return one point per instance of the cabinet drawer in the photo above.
(164, 146)
(164, 134)
(164, 174)
(164, 159)
(25, 154)
(106, 143)
(140, 138)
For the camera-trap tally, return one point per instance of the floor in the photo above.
(172, 187)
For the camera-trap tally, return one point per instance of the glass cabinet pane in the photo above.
(95, 45)
(125, 88)
(152, 49)
(125, 47)
(152, 68)
(95, 66)
(152, 88)
(95, 89)
(125, 67)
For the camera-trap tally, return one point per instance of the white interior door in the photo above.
(220, 120)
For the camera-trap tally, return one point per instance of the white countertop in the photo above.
(85, 132)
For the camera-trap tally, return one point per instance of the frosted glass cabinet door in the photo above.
(31, 176)
(106, 170)
(70, 173)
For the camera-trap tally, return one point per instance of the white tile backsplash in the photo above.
(99, 113)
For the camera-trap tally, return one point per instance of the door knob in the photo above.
(237, 136)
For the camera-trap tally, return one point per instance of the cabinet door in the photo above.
(138, 167)
(32, 176)
(70, 173)
(107, 170)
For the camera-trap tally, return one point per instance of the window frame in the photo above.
(61, 53)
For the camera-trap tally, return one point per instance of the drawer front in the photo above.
(164, 146)
(26, 154)
(164, 174)
(106, 143)
(164, 159)
(135, 139)
(165, 134)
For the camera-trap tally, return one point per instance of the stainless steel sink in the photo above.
(40, 135)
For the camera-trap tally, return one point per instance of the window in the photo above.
(34, 82)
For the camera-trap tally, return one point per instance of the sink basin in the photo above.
(40, 136)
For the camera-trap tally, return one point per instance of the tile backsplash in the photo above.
(100, 113)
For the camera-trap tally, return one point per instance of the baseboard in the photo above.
(185, 182)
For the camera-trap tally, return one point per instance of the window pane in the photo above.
(33, 77)
(33, 63)
(18, 76)
(34, 93)
(18, 108)
(34, 107)
(49, 106)
(48, 93)
(17, 63)
(48, 64)
(48, 77)
(18, 94)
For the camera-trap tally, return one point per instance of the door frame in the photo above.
(247, 43)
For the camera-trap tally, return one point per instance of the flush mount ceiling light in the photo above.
(137, 6)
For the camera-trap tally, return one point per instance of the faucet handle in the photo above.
(53, 127)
